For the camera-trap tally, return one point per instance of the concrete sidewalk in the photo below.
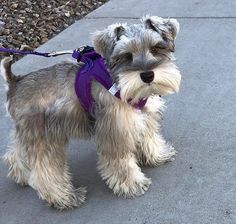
(199, 187)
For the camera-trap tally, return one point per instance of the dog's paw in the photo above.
(135, 188)
(167, 154)
(81, 195)
(157, 156)
(69, 201)
(18, 170)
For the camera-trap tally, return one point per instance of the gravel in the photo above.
(33, 22)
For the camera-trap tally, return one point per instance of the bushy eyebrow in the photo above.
(151, 38)
(126, 45)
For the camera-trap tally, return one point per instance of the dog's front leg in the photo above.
(153, 150)
(116, 143)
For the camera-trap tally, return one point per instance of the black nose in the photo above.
(147, 77)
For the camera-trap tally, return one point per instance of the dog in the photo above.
(47, 113)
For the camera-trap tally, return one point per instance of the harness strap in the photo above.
(94, 68)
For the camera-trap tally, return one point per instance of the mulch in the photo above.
(33, 22)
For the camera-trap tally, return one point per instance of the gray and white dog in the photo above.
(47, 113)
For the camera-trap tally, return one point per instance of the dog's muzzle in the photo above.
(147, 77)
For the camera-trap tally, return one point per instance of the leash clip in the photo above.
(56, 53)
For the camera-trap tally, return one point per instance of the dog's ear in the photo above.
(105, 40)
(167, 28)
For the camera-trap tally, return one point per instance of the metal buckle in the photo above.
(80, 49)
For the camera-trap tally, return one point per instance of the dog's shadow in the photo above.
(82, 159)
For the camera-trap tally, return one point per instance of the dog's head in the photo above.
(140, 56)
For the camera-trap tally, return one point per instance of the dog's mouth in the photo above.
(147, 90)
(140, 94)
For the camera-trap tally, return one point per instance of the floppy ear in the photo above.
(104, 41)
(167, 28)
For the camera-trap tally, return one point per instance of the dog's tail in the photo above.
(6, 69)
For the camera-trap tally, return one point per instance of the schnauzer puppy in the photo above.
(47, 113)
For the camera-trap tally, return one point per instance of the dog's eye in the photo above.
(160, 46)
(154, 50)
(125, 56)
(128, 56)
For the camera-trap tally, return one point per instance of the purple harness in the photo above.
(93, 68)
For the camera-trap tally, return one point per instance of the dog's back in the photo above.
(37, 89)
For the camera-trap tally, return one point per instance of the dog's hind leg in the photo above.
(51, 178)
(46, 153)
(17, 161)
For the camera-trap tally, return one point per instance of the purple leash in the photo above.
(51, 54)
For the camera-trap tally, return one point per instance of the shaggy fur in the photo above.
(47, 113)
